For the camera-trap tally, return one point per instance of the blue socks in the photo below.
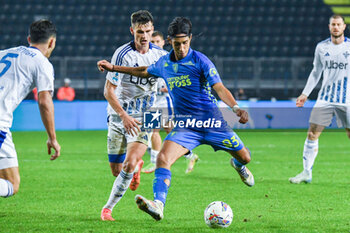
(160, 188)
(237, 163)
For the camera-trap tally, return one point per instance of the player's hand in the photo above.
(164, 90)
(301, 100)
(243, 116)
(130, 124)
(53, 144)
(104, 65)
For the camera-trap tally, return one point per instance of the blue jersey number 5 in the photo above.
(7, 62)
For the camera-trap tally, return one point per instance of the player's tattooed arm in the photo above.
(134, 71)
(226, 96)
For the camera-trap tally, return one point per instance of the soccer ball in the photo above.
(218, 215)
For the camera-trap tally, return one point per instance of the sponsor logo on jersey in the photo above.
(143, 81)
(180, 81)
(335, 65)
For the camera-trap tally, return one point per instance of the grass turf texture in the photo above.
(67, 195)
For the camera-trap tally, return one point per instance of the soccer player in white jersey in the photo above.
(165, 104)
(21, 69)
(128, 97)
(332, 58)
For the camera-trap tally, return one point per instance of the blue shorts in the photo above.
(218, 139)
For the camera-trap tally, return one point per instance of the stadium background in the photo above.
(263, 46)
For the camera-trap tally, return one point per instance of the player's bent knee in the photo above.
(244, 154)
(246, 157)
(129, 165)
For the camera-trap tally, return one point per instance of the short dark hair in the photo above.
(158, 33)
(180, 25)
(40, 31)
(336, 16)
(141, 17)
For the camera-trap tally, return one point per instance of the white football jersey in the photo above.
(21, 69)
(334, 62)
(135, 94)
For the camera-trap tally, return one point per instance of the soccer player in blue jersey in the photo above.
(189, 76)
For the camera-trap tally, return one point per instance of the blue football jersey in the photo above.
(189, 82)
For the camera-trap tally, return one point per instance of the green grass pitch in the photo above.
(67, 195)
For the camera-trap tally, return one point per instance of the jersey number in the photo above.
(233, 142)
(7, 62)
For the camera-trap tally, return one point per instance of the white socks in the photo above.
(6, 188)
(309, 154)
(121, 184)
(154, 155)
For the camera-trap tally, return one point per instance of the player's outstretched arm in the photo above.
(47, 116)
(134, 71)
(130, 123)
(226, 96)
(301, 100)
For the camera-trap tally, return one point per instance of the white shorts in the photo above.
(8, 155)
(323, 113)
(117, 138)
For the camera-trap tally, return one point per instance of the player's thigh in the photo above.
(170, 152)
